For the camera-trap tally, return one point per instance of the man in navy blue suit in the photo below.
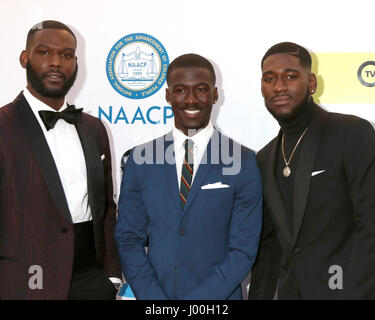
(195, 194)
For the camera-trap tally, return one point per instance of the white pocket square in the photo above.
(317, 172)
(216, 185)
(102, 156)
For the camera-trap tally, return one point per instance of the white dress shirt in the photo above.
(200, 139)
(66, 149)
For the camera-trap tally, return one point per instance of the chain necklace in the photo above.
(287, 171)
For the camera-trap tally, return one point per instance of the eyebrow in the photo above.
(47, 46)
(284, 70)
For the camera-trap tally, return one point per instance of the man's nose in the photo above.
(280, 85)
(191, 97)
(55, 59)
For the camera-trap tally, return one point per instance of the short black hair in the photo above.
(292, 49)
(191, 60)
(47, 24)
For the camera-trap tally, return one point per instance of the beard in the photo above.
(295, 113)
(37, 84)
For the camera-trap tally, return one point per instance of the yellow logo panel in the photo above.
(344, 77)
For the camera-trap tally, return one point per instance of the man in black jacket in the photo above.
(318, 174)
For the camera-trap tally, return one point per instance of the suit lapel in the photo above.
(42, 154)
(203, 169)
(94, 168)
(273, 195)
(305, 165)
(201, 174)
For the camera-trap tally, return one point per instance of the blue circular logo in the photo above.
(137, 66)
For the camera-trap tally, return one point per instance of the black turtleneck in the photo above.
(292, 129)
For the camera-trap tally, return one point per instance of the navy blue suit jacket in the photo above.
(203, 251)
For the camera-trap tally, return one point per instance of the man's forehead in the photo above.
(190, 70)
(53, 36)
(190, 74)
(282, 61)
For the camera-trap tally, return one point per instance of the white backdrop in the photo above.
(234, 35)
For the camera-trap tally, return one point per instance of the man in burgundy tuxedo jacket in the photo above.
(57, 214)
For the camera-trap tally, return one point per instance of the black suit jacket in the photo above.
(334, 215)
(35, 223)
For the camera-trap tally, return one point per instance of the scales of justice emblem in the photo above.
(137, 69)
(137, 66)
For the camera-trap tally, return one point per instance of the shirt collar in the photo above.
(37, 105)
(200, 139)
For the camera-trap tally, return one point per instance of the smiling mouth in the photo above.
(191, 112)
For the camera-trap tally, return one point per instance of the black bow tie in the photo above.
(70, 115)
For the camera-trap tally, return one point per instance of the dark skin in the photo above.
(285, 83)
(51, 54)
(191, 93)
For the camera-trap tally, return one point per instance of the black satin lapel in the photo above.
(170, 171)
(94, 168)
(42, 154)
(273, 196)
(305, 165)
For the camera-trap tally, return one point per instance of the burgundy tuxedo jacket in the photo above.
(36, 228)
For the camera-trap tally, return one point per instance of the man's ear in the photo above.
(313, 83)
(168, 95)
(216, 95)
(24, 59)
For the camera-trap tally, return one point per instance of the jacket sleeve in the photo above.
(266, 269)
(111, 257)
(265, 273)
(359, 164)
(131, 236)
(244, 233)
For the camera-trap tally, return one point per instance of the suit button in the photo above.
(174, 268)
(182, 232)
(64, 230)
(297, 250)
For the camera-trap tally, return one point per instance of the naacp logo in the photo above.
(366, 74)
(137, 66)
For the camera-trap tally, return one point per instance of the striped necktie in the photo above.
(187, 171)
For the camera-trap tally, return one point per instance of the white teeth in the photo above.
(192, 111)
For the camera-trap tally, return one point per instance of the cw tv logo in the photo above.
(137, 66)
(366, 74)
